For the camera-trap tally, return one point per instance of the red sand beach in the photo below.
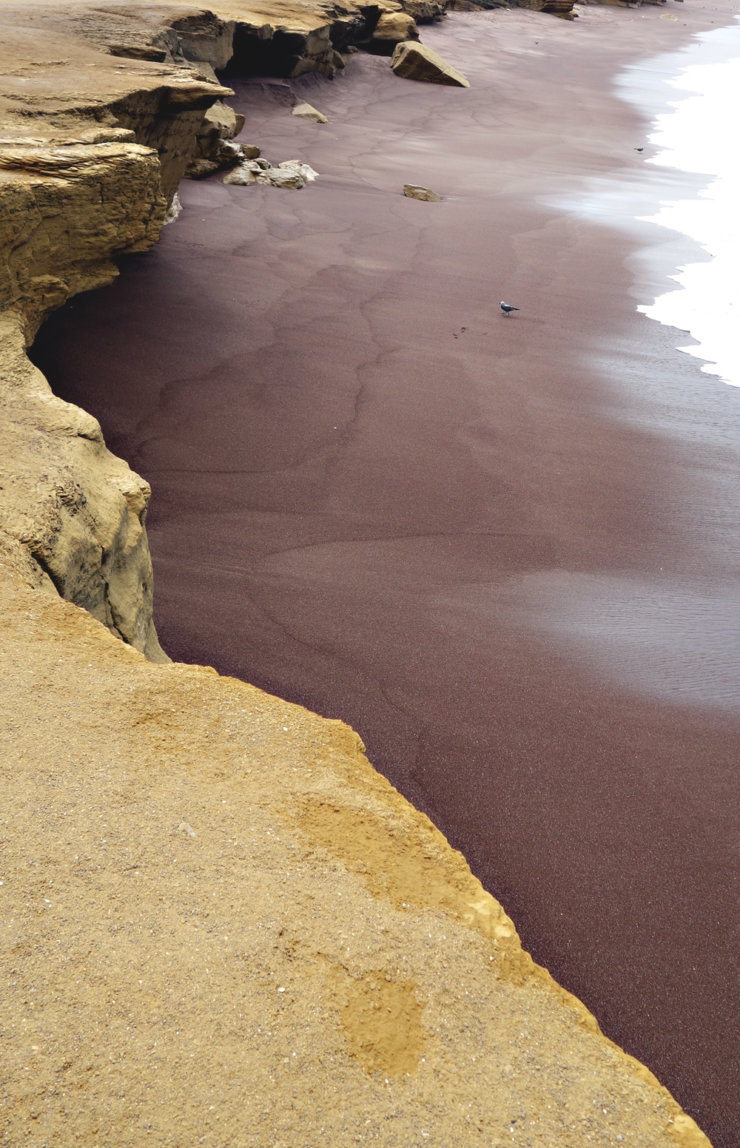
(505, 550)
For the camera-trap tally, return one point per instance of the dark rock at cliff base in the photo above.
(414, 61)
(426, 11)
(563, 8)
(214, 139)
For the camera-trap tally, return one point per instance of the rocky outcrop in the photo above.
(562, 8)
(71, 513)
(68, 207)
(168, 120)
(392, 29)
(414, 61)
(426, 11)
(214, 141)
(91, 155)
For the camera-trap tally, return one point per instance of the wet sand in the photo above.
(505, 550)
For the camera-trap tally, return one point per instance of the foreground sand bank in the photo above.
(222, 926)
(378, 498)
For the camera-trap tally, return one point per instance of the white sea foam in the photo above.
(698, 134)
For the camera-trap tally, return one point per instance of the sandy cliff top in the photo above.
(221, 923)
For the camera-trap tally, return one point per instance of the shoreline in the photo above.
(522, 278)
(698, 299)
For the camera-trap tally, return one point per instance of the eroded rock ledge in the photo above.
(222, 926)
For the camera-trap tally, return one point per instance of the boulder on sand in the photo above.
(415, 191)
(291, 173)
(415, 61)
(309, 112)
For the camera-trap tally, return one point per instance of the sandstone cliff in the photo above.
(222, 926)
(91, 154)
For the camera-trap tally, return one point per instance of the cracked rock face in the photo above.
(214, 139)
(72, 514)
(94, 143)
(76, 511)
(67, 209)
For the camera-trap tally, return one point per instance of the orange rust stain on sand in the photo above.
(382, 1022)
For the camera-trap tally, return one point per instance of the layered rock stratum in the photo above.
(220, 924)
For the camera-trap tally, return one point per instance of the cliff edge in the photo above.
(221, 925)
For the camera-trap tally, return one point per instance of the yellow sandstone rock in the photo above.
(308, 112)
(414, 61)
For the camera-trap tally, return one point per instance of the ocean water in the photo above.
(697, 133)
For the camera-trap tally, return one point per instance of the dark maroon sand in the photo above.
(504, 550)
